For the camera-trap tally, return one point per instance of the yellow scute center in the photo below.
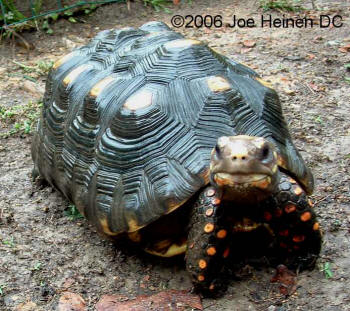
(141, 99)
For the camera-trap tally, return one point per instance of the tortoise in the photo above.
(162, 140)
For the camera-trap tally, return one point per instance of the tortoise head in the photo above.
(245, 167)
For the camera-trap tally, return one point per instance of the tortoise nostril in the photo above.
(239, 157)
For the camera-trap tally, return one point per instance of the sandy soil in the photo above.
(43, 252)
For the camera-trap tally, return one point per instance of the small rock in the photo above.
(2, 70)
(69, 43)
(71, 302)
(333, 42)
(271, 308)
(289, 92)
(33, 88)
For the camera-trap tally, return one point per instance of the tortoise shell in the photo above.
(129, 121)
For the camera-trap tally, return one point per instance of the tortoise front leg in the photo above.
(207, 242)
(292, 219)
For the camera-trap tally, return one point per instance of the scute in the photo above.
(129, 121)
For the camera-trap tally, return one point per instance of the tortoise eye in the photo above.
(265, 152)
(217, 150)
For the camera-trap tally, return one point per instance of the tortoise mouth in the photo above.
(245, 180)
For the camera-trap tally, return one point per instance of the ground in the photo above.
(44, 252)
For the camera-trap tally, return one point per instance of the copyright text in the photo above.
(265, 21)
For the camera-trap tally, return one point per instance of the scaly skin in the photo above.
(290, 215)
(207, 243)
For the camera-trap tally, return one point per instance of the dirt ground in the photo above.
(44, 253)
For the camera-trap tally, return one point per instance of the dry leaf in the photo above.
(71, 302)
(345, 49)
(286, 280)
(68, 283)
(249, 43)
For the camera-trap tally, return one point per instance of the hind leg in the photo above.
(297, 236)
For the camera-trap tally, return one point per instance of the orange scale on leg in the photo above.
(216, 201)
(305, 216)
(291, 180)
(209, 227)
(226, 253)
(209, 212)
(267, 216)
(210, 192)
(221, 234)
(202, 264)
(278, 212)
(284, 232)
(289, 208)
(298, 190)
(298, 238)
(211, 251)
